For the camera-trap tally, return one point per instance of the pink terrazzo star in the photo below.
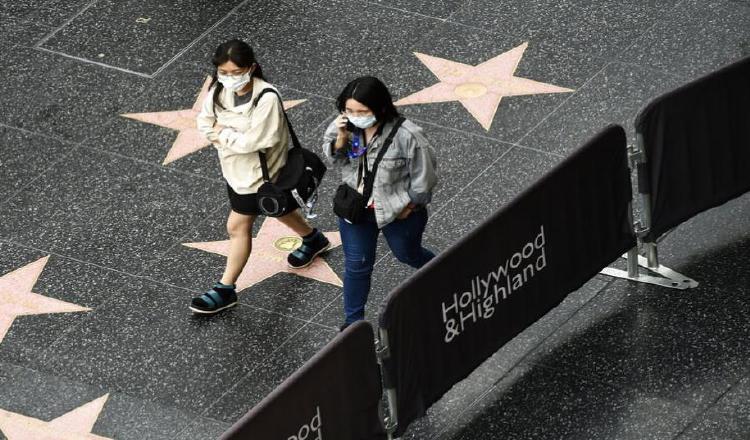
(270, 249)
(17, 299)
(189, 139)
(478, 88)
(74, 425)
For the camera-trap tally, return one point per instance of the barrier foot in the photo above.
(390, 428)
(390, 421)
(667, 277)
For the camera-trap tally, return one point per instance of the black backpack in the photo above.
(298, 181)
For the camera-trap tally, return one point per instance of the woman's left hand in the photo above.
(408, 209)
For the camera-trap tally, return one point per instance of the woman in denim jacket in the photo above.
(402, 188)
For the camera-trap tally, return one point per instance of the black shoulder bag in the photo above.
(348, 203)
(298, 180)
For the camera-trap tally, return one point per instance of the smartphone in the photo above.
(349, 126)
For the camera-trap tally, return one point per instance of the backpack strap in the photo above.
(295, 140)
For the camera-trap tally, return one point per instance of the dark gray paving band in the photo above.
(97, 32)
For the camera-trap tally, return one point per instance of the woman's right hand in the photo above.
(340, 122)
(343, 134)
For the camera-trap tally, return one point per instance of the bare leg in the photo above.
(240, 229)
(296, 223)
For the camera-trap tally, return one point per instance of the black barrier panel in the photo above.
(697, 142)
(465, 304)
(334, 396)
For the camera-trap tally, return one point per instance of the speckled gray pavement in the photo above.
(96, 209)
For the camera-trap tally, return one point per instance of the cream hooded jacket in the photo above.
(248, 130)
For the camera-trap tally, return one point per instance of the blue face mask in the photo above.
(362, 121)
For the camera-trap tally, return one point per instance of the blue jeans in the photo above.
(360, 241)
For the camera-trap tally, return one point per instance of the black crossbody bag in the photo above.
(298, 180)
(348, 203)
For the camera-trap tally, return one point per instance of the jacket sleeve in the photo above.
(422, 169)
(266, 128)
(206, 118)
(336, 157)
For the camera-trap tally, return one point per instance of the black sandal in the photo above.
(219, 298)
(304, 255)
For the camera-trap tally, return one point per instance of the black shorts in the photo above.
(248, 203)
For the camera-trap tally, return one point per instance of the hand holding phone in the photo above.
(341, 123)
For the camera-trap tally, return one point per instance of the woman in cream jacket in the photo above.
(239, 129)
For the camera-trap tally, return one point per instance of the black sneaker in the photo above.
(316, 244)
(219, 298)
(343, 326)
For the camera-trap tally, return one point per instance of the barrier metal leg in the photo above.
(668, 277)
(652, 255)
(390, 420)
(632, 257)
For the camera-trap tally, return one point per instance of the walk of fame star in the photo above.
(17, 299)
(268, 257)
(189, 139)
(74, 425)
(478, 88)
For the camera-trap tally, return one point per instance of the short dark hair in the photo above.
(238, 52)
(371, 92)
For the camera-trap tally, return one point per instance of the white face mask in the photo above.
(362, 121)
(234, 83)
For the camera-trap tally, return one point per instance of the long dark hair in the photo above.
(371, 92)
(238, 52)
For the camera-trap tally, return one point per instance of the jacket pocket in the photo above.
(391, 163)
(392, 173)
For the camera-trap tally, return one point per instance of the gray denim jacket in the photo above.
(406, 173)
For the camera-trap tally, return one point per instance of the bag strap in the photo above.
(295, 140)
(362, 168)
(370, 176)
